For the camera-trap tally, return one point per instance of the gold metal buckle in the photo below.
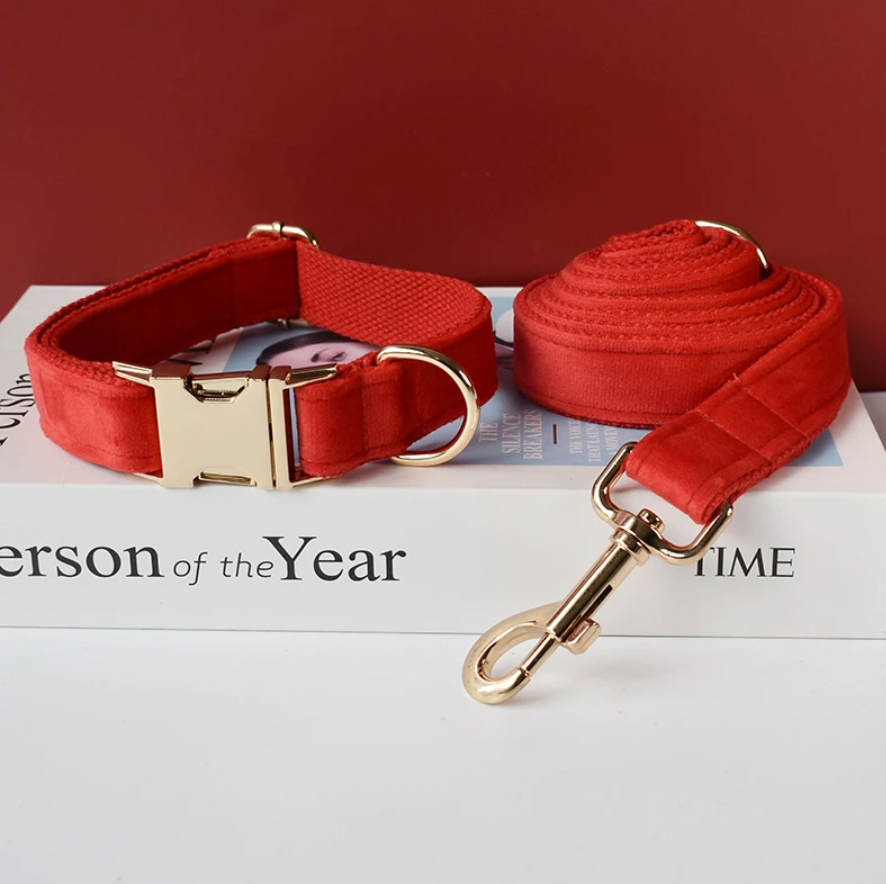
(230, 428)
(234, 428)
(570, 623)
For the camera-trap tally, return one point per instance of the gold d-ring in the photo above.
(284, 231)
(465, 387)
(765, 266)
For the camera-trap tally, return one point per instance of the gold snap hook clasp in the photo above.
(570, 624)
(477, 672)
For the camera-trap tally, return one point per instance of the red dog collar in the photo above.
(99, 399)
(685, 327)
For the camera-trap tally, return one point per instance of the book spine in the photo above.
(335, 557)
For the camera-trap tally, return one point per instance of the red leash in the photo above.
(682, 328)
(685, 327)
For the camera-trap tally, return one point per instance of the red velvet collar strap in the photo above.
(680, 327)
(368, 411)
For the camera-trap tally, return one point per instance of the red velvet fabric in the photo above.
(677, 327)
(367, 412)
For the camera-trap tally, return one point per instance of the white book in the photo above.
(507, 526)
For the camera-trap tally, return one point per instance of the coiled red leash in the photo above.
(687, 328)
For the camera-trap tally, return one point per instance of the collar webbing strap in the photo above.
(367, 411)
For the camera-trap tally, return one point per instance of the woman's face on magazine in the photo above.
(321, 353)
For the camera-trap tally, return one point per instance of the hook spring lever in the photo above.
(570, 624)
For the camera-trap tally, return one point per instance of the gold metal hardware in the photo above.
(742, 234)
(465, 387)
(234, 428)
(230, 428)
(285, 231)
(570, 623)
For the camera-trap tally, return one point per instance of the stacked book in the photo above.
(507, 526)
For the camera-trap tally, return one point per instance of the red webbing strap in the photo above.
(366, 412)
(674, 328)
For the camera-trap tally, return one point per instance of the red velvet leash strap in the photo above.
(366, 412)
(678, 328)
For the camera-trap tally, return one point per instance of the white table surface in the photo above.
(270, 757)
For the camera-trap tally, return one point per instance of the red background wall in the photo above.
(488, 140)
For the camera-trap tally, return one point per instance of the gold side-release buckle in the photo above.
(230, 428)
(235, 428)
(570, 623)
